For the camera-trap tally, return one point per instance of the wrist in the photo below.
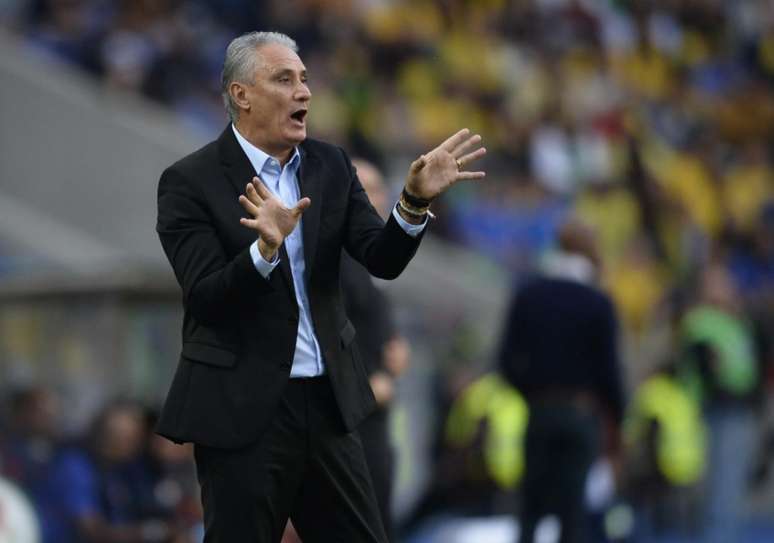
(412, 206)
(412, 199)
(268, 252)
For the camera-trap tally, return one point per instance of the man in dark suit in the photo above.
(559, 349)
(269, 386)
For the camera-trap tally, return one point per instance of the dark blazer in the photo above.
(239, 329)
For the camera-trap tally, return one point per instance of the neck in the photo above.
(281, 152)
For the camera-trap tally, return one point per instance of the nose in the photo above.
(303, 93)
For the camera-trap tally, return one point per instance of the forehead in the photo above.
(274, 57)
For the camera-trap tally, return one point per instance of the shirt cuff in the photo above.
(412, 230)
(261, 264)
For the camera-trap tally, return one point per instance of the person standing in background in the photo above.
(559, 349)
(30, 445)
(385, 353)
(721, 367)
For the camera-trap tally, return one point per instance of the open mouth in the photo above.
(299, 115)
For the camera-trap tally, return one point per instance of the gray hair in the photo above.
(240, 63)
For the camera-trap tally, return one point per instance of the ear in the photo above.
(238, 94)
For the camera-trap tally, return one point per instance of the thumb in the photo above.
(301, 206)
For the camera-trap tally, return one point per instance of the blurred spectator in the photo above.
(458, 485)
(666, 456)
(20, 525)
(67, 29)
(479, 465)
(175, 488)
(29, 449)
(559, 350)
(105, 493)
(747, 187)
(752, 262)
(29, 441)
(721, 365)
(489, 419)
(385, 353)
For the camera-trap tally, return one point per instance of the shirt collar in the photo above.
(259, 158)
(570, 266)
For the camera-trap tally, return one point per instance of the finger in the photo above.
(250, 223)
(250, 207)
(450, 144)
(462, 147)
(470, 157)
(301, 206)
(264, 192)
(462, 176)
(253, 195)
(418, 164)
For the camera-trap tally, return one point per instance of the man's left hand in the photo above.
(434, 172)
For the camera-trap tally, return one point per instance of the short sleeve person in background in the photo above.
(559, 350)
(385, 353)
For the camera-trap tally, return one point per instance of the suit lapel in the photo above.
(310, 184)
(240, 172)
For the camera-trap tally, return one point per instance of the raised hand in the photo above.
(271, 219)
(434, 172)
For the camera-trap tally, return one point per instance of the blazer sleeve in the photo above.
(383, 249)
(213, 285)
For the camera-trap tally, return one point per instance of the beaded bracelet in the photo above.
(410, 210)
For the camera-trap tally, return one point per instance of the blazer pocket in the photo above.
(347, 334)
(208, 354)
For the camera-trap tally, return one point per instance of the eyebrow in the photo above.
(287, 71)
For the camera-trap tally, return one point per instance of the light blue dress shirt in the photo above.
(283, 183)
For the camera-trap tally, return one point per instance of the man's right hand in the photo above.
(271, 219)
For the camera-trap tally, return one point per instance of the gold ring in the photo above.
(459, 164)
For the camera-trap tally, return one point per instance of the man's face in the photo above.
(279, 100)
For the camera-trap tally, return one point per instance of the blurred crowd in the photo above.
(118, 482)
(651, 121)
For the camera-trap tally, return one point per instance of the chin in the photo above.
(297, 137)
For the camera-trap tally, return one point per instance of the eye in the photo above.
(284, 79)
